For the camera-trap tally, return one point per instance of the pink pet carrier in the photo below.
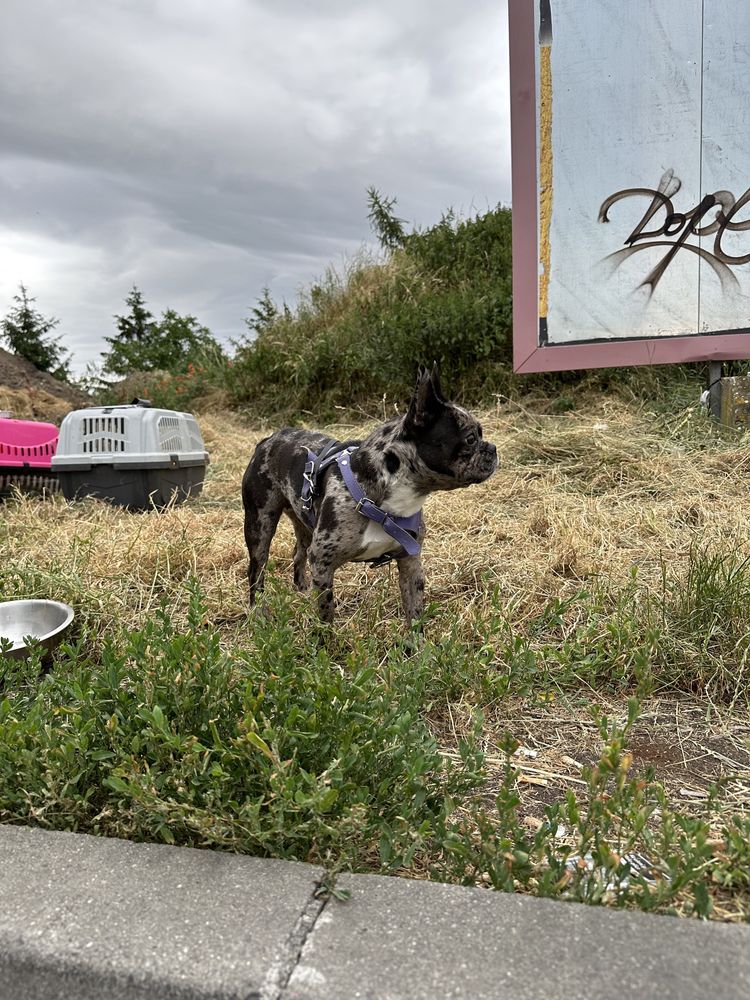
(26, 450)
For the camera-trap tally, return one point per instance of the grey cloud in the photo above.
(203, 151)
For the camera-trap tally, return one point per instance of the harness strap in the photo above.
(401, 529)
(314, 465)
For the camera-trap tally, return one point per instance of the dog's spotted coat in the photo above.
(435, 446)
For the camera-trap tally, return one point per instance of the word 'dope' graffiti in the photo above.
(678, 227)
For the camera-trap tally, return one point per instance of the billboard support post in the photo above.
(715, 371)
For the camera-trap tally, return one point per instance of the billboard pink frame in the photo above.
(528, 354)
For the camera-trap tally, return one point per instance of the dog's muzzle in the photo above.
(486, 462)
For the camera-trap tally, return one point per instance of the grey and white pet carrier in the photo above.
(134, 456)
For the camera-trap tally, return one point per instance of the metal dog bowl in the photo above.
(46, 621)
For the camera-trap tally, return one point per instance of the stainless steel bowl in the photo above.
(46, 621)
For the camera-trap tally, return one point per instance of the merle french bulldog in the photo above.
(364, 504)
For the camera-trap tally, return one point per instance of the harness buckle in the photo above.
(381, 560)
(309, 482)
(358, 506)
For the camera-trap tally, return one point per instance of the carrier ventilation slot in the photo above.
(170, 438)
(103, 435)
(31, 482)
(28, 450)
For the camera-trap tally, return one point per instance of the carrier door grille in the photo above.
(103, 435)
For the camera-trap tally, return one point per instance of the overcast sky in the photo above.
(202, 149)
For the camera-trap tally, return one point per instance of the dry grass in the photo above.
(33, 404)
(579, 498)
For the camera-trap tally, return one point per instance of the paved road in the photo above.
(83, 918)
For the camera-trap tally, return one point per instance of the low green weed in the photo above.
(298, 745)
(589, 847)
(276, 750)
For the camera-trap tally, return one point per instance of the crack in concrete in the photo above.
(280, 971)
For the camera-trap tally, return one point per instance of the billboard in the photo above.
(631, 181)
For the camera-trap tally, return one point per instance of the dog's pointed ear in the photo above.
(427, 402)
(435, 379)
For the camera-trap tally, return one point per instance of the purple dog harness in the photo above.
(403, 530)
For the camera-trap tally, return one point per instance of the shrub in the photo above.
(278, 751)
(443, 295)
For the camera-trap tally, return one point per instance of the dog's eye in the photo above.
(471, 440)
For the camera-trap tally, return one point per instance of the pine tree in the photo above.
(26, 330)
(388, 228)
(264, 313)
(143, 344)
(138, 324)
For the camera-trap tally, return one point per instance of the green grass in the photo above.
(302, 743)
(356, 335)
(276, 750)
(590, 603)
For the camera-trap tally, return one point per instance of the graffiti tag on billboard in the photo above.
(672, 229)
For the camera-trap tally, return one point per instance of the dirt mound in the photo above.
(31, 394)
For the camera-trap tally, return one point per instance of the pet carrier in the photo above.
(26, 451)
(132, 456)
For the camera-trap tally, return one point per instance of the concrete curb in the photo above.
(86, 918)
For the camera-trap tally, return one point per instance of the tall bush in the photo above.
(143, 344)
(439, 294)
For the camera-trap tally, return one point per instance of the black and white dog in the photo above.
(361, 501)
